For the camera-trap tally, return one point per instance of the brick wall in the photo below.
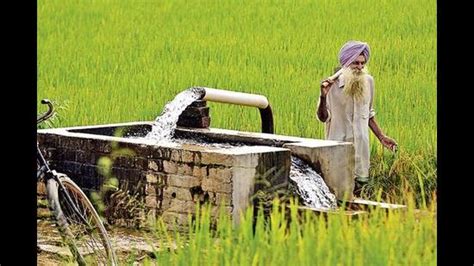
(165, 181)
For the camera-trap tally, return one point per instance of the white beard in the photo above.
(355, 83)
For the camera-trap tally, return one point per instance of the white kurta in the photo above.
(348, 120)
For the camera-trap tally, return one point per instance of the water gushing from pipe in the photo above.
(165, 124)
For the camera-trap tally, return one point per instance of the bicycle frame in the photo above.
(59, 184)
(45, 171)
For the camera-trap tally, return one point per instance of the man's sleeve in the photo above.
(327, 109)
(372, 94)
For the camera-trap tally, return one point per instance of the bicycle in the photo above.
(80, 226)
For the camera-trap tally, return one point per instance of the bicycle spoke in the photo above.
(85, 227)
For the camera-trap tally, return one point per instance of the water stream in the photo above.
(165, 124)
(310, 185)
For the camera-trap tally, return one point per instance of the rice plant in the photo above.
(120, 61)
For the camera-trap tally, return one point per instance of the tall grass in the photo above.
(117, 61)
(292, 237)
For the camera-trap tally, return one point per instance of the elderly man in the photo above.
(346, 107)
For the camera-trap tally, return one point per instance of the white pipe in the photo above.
(233, 97)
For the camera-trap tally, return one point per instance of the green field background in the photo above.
(119, 61)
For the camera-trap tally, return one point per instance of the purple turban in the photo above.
(351, 50)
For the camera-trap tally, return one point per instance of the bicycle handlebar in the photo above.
(48, 114)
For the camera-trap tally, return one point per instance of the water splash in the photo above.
(203, 143)
(311, 186)
(165, 124)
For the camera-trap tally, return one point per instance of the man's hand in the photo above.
(326, 86)
(389, 143)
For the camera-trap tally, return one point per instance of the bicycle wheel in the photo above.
(87, 239)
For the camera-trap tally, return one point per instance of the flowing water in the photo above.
(165, 124)
(310, 186)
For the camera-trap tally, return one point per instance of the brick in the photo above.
(150, 189)
(86, 144)
(188, 156)
(197, 158)
(200, 172)
(181, 206)
(177, 193)
(196, 109)
(82, 156)
(183, 181)
(204, 197)
(162, 179)
(69, 155)
(101, 146)
(163, 153)
(185, 169)
(151, 178)
(211, 185)
(197, 122)
(155, 165)
(197, 103)
(176, 155)
(223, 175)
(150, 201)
(217, 159)
(170, 167)
(93, 158)
(173, 218)
(48, 140)
(152, 165)
(165, 204)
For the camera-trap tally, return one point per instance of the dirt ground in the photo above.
(131, 246)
